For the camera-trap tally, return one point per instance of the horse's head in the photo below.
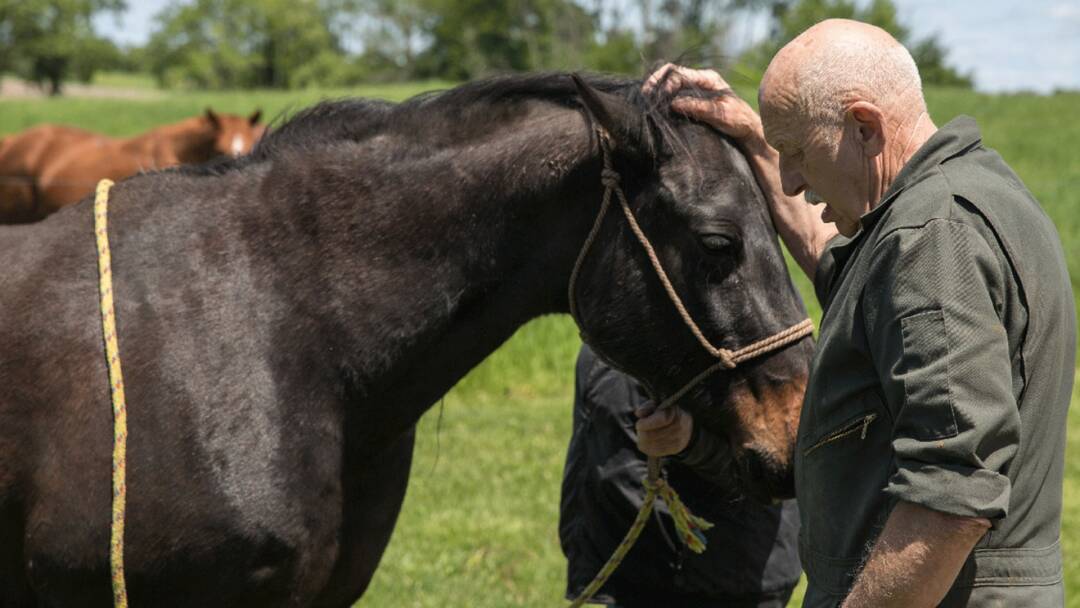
(698, 204)
(234, 135)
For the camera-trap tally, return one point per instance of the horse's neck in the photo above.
(440, 260)
(187, 141)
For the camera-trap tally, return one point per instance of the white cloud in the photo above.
(1066, 10)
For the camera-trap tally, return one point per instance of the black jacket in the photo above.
(751, 555)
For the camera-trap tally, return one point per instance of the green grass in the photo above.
(478, 527)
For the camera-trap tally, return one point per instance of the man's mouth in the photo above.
(827, 215)
(813, 197)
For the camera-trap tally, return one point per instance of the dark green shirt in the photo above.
(942, 377)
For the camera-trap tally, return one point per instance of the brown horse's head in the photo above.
(235, 135)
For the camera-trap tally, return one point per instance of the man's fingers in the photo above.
(657, 420)
(675, 77)
(657, 76)
(709, 80)
(664, 432)
(695, 107)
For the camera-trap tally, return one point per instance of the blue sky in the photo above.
(1009, 44)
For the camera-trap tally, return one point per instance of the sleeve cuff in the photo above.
(706, 457)
(960, 491)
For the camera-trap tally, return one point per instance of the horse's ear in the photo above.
(255, 116)
(627, 125)
(213, 118)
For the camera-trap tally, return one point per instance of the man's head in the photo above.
(843, 105)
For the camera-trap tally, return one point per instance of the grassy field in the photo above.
(478, 527)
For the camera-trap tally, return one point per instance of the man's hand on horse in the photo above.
(726, 112)
(663, 432)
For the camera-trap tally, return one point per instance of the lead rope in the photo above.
(690, 527)
(116, 385)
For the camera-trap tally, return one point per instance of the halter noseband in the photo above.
(728, 359)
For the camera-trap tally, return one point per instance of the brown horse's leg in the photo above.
(375, 489)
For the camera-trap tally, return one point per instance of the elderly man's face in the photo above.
(822, 162)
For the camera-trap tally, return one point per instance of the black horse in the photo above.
(285, 319)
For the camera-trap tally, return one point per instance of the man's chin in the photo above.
(847, 229)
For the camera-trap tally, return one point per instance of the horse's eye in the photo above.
(717, 244)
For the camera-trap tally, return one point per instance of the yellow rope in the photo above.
(688, 525)
(116, 383)
(620, 551)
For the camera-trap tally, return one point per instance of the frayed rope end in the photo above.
(689, 526)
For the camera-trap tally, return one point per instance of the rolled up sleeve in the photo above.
(942, 356)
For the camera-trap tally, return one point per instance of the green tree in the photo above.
(930, 57)
(682, 28)
(469, 38)
(392, 33)
(791, 18)
(473, 37)
(616, 52)
(218, 44)
(46, 40)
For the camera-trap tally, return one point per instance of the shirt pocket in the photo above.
(927, 411)
(856, 427)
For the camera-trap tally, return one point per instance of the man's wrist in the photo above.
(754, 144)
(682, 454)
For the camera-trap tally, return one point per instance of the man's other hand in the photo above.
(663, 432)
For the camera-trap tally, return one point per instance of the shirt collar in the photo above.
(950, 141)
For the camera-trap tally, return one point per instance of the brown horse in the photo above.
(50, 166)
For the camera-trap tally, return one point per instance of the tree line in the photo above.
(285, 44)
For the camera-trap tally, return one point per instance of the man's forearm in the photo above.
(797, 222)
(916, 559)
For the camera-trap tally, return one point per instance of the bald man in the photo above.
(930, 451)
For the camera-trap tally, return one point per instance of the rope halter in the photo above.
(726, 359)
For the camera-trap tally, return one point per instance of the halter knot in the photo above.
(609, 178)
(727, 358)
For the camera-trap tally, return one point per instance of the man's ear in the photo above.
(869, 122)
(628, 126)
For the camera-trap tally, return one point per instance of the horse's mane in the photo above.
(470, 105)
